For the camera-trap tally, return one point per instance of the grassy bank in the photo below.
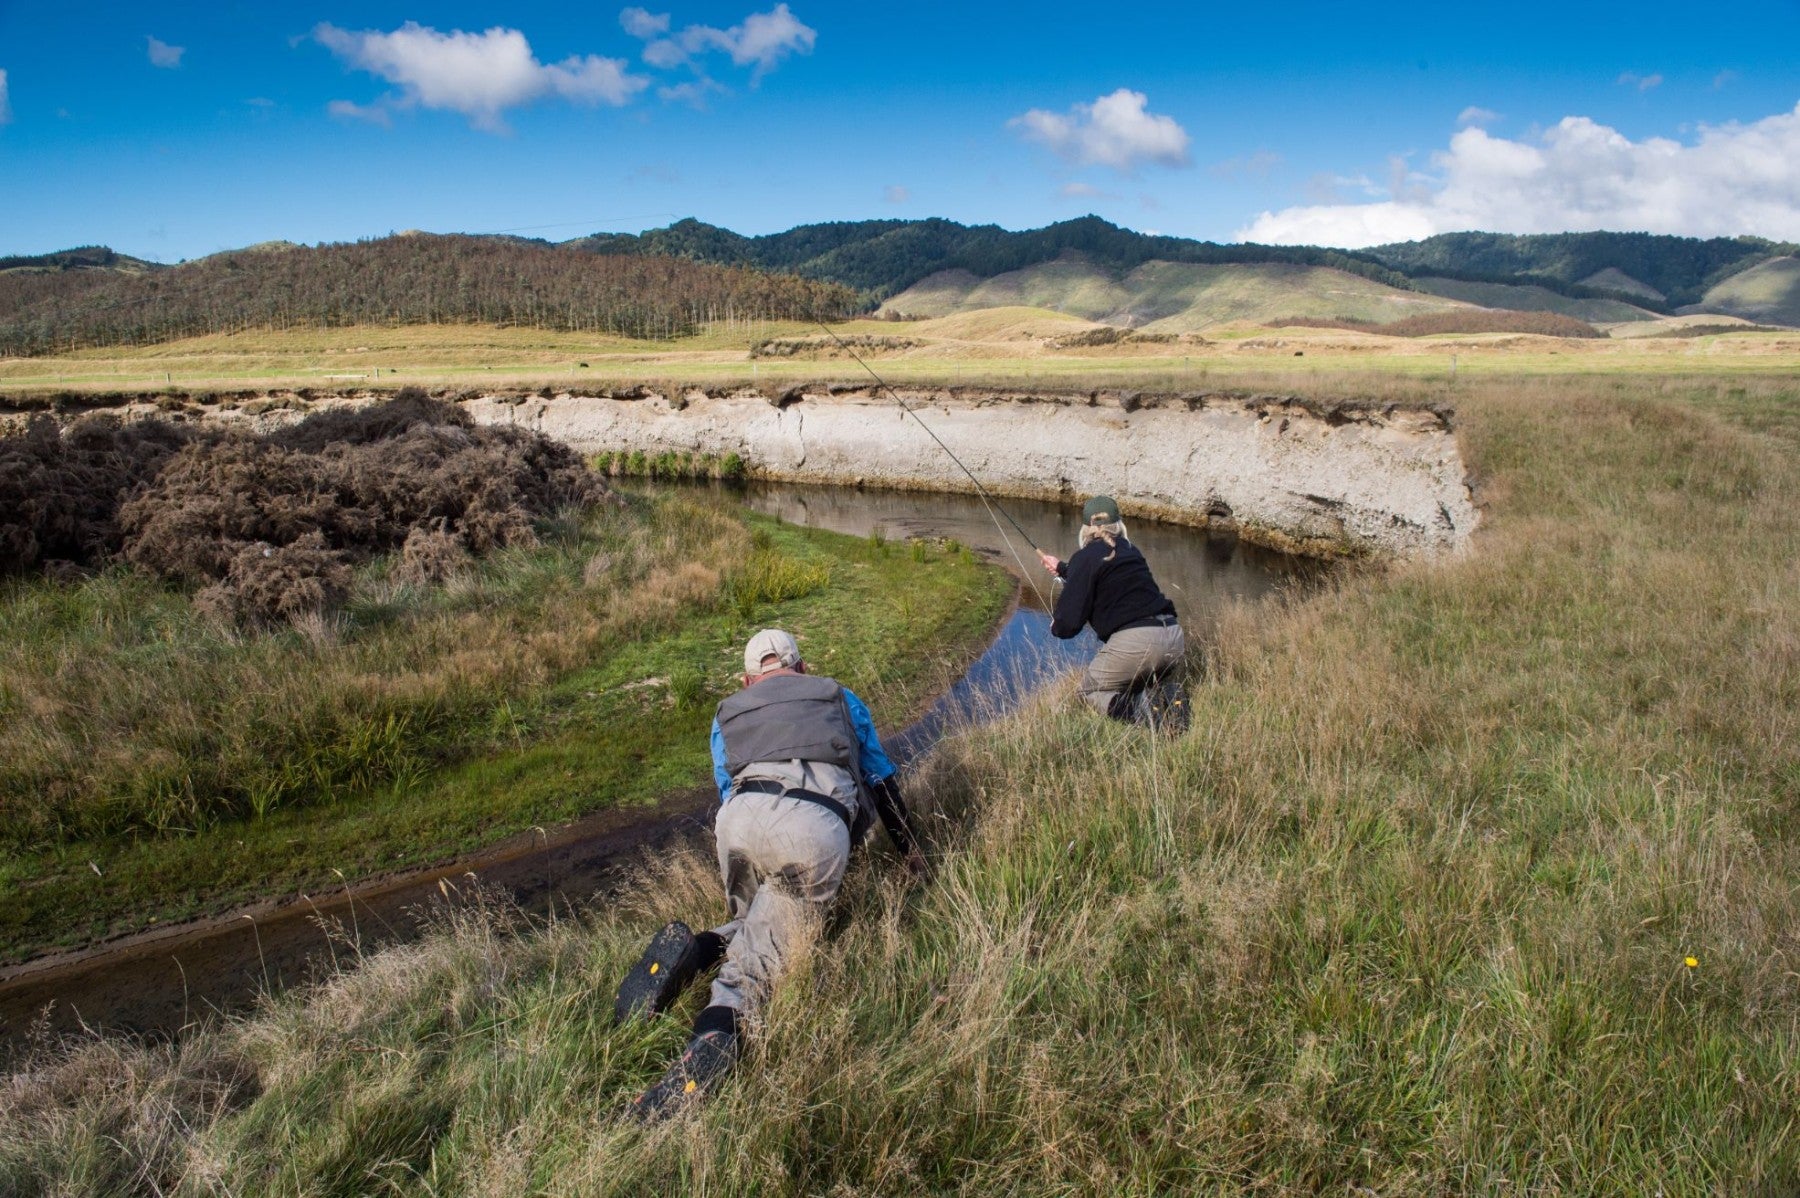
(1471, 877)
(195, 767)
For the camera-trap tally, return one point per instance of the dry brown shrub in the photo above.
(224, 509)
(251, 515)
(429, 556)
(264, 582)
(60, 486)
(409, 408)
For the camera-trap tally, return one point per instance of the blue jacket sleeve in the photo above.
(875, 763)
(720, 777)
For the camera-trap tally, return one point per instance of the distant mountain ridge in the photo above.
(86, 257)
(883, 257)
(1086, 267)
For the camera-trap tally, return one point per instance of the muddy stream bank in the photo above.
(162, 980)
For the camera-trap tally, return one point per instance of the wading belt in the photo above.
(756, 786)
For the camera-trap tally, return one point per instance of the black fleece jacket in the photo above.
(1108, 586)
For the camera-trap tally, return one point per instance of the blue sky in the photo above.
(176, 130)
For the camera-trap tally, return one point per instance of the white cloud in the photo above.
(766, 38)
(763, 40)
(1724, 77)
(480, 75)
(1114, 131)
(1082, 191)
(895, 193)
(1474, 115)
(1642, 82)
(642, 23)
(1578, 175)
(162, 54)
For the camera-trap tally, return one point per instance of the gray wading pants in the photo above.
(782, 861)
(1129, 655)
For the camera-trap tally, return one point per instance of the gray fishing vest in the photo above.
(786, 717)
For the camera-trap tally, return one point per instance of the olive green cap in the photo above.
(1100, 510)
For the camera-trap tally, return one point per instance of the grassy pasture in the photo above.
(1006, 347)
(1475, 877)
(154, 765)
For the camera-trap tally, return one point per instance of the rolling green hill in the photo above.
(1768, 292)
(1168, 296)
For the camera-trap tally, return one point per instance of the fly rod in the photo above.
(988, 501)
(881, 384)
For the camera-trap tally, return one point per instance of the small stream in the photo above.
(161, 981)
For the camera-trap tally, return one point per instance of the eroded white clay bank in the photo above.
(1322, 479)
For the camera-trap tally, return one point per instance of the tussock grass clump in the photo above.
(1470, 877)
(770, 576)
(670, 465)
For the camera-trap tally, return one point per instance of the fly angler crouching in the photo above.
(1108, 586)
(801, 773)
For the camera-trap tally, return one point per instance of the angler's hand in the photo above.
(1050, 560)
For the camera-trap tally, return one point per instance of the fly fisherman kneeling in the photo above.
(799, 767)
(1108, 586)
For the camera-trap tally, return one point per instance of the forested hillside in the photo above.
(883, 257)
(411, 279)
(1680, 268)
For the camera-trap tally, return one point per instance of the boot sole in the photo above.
(657, 979)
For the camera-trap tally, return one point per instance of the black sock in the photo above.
(717, 1019)
(709, 950)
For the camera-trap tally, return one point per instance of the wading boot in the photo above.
(707, 1057)
(673, 959)
(1168, 705)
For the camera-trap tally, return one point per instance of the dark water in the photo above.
(161, 982)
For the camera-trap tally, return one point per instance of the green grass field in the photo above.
(1476, 876)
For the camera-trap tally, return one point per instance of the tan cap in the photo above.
(770, 642)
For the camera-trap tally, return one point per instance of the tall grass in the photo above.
(124, 710)
(1470, 877)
